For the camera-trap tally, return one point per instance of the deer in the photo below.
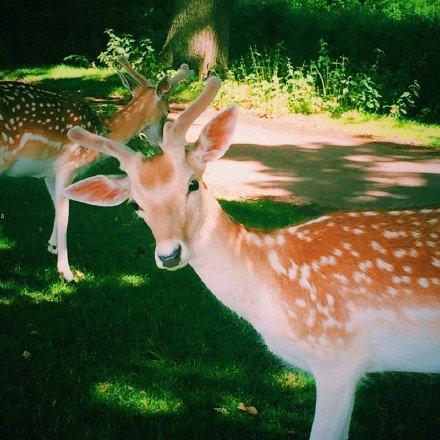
(339, 296)
(33, 127)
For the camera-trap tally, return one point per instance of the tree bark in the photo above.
(199, 34)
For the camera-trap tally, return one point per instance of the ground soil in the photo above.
(306, 160)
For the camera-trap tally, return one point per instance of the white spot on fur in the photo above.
(311, 319)
(378, 247)
(300, 302)
(280, 239)
(330, 299)
(268, 240)
(293, 271)
(316, 220)
(365, 265)
(381, 264)
(275, 262)
(392, 291)
(423, 282)
(341, 278)
(255, 239)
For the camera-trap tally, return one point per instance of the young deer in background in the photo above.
(338, 296)
(33, 129)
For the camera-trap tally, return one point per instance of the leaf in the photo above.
(249, 409)
(26, 354)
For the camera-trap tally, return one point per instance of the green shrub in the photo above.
(270, 84)
(140, 51)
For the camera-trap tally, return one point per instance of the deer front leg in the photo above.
(335, 392)
(63, 178)
(52, 247)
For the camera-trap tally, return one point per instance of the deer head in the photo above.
(167, 190)
(147, 111)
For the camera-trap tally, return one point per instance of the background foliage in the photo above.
(405, 32)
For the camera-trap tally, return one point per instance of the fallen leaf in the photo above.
(249, 409)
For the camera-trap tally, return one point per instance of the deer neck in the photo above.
(229, 259)
(128, 121)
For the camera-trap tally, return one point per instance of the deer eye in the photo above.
(134, 205)
(193, 185)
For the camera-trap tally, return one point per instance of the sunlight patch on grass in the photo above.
(392, 128)
(135, 399)
(61, 288)
(6, 244)
(133, 280)
(292, 379)
(57, 72)
(6, 301)
(53, 294)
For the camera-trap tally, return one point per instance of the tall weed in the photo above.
(272, 85)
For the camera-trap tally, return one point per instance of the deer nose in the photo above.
(172, 259)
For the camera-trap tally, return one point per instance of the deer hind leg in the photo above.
(335, 392)
(52, 247)
(63, 178)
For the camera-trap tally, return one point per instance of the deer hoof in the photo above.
(67, 275)
(70, 276)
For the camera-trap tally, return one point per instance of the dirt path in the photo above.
(302, 162)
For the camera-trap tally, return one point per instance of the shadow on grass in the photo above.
(134, 352)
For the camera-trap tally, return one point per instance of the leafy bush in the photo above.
(140, 51)
(270, 84)
(77, 61)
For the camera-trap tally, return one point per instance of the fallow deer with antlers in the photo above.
(33, 129)
(338, 296)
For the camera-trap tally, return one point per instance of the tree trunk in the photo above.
(199, 34)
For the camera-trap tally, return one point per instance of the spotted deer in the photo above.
(33, 129)
(338, 296)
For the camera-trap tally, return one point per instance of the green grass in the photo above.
(135, 352)
(139, 353)
(405, 131)
(96, 82)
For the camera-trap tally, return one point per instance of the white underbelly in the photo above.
(26, 166)
(415, 349)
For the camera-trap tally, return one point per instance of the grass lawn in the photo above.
(135, 352)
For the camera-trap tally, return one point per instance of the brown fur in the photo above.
(156, 171)
(330, 250)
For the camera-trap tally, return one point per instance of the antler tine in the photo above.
(123, 79)
(191, 113)
(99, 143)
(181, 74)
(132, 72)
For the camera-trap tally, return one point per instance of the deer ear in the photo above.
(100, 190)
(216, 137)
(163, 87)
